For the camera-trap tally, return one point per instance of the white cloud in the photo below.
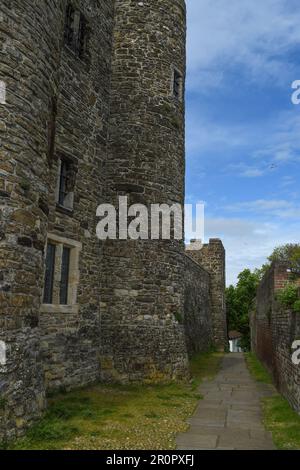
(205, 135)
(249, 34)
(248, 243)
(269, 207)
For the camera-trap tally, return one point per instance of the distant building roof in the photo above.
(234, 334)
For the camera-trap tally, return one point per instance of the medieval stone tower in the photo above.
(145, 162)
(91, 109)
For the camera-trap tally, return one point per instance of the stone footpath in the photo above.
(230, 415)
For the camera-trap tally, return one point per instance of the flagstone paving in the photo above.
(230, 415)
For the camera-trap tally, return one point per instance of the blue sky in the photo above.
(243, 132)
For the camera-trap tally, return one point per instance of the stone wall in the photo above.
(112, 112)
(71, 337)
(273, 331)
(59, 347)
(211, 257)
(29, 35)
(197, 308)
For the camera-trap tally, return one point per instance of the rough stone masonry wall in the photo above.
(29, 50)
(212, 258)
(71, 339)
(197, 308)
(143, 291)
(273, 331)
(36, 68)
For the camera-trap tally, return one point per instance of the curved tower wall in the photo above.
(142, 292)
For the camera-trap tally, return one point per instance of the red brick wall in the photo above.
(273, 331)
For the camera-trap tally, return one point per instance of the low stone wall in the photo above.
(273, 331)
(197, 308)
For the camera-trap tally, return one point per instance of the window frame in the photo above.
(75, 248)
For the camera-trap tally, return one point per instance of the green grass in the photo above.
(120, 417)
(205, 366)
(256, 368)
(279, 418)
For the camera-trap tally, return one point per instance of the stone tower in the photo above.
(211, 256)
(142, 292)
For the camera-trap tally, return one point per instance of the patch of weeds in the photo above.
(3, 402)
(109, 417)
(259, 372)
(3, 445)
(205, 367)
(172, 405)
(152, 415)
(288, 297)
(283, 422)
(164, 397)
(25, 184)
(127, 415)
(198, 396)
(70, 408)
(178, 317)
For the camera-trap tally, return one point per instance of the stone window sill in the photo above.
(82, 61)
(64, 210)
(71, 309)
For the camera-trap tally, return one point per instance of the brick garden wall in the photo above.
(273, 331)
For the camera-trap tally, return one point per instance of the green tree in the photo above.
(287, 253)
(239, 301)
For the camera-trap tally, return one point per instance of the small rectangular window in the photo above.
(64, 282)
(61, 276)
(66, 183)
(177, 84)
(49, 275)
(76, 31)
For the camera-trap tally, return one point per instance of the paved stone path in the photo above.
(230, 416)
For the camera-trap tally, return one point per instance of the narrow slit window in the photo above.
(69, 25)
(64, 170)
(82, 36)
(52, 130)
(177, 84)
(66, 183)
(2, 92)
(64, 283)
(49, 274)
(76, 31)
